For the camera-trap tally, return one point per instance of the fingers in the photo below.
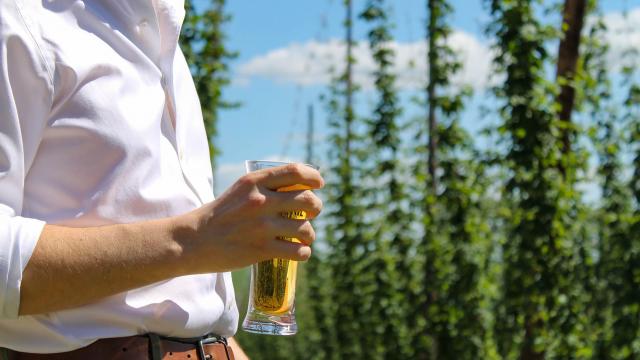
(276, 202)
(273, 203)
(289, 250)
(288, 239)
(301, 230)
(289, 177)
(305, 201)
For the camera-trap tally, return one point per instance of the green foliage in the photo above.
(621, 219)
(345, 233)
(603, 134)
(444, 249)
(392, 306)
(455, 236)
(615, 309)
(203, 43)
(541, 297)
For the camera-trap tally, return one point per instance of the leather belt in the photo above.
(143, 347)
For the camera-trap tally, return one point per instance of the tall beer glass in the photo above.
(271, 308)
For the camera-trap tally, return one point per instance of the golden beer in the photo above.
(274, 290)
(275, 280)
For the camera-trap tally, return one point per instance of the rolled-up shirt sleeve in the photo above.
(18, 236)
(25, 103)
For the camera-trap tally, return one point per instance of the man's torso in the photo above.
(124, 142)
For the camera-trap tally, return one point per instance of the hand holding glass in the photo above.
(271, 308)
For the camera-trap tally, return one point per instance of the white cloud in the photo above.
(310, 63)
(622, 34)
(226, 175)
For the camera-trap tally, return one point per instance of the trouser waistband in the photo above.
(141, 347)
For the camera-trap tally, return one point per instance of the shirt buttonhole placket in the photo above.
(169, 100)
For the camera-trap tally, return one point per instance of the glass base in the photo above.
(259, 323)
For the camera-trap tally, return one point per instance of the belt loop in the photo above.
(226, 350)
(200, 349)
(155, 347)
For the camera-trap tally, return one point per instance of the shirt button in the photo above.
(181, 154)
(141, 26)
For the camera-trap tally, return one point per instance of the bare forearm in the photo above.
(75, 266)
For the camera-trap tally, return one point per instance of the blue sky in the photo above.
(279, 70)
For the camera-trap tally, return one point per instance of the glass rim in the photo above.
(274, 163)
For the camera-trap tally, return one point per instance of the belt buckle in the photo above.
(210, 340)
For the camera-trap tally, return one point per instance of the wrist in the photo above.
(182, 239)
(162, 239)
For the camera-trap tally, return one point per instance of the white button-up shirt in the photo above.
(100, 124)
